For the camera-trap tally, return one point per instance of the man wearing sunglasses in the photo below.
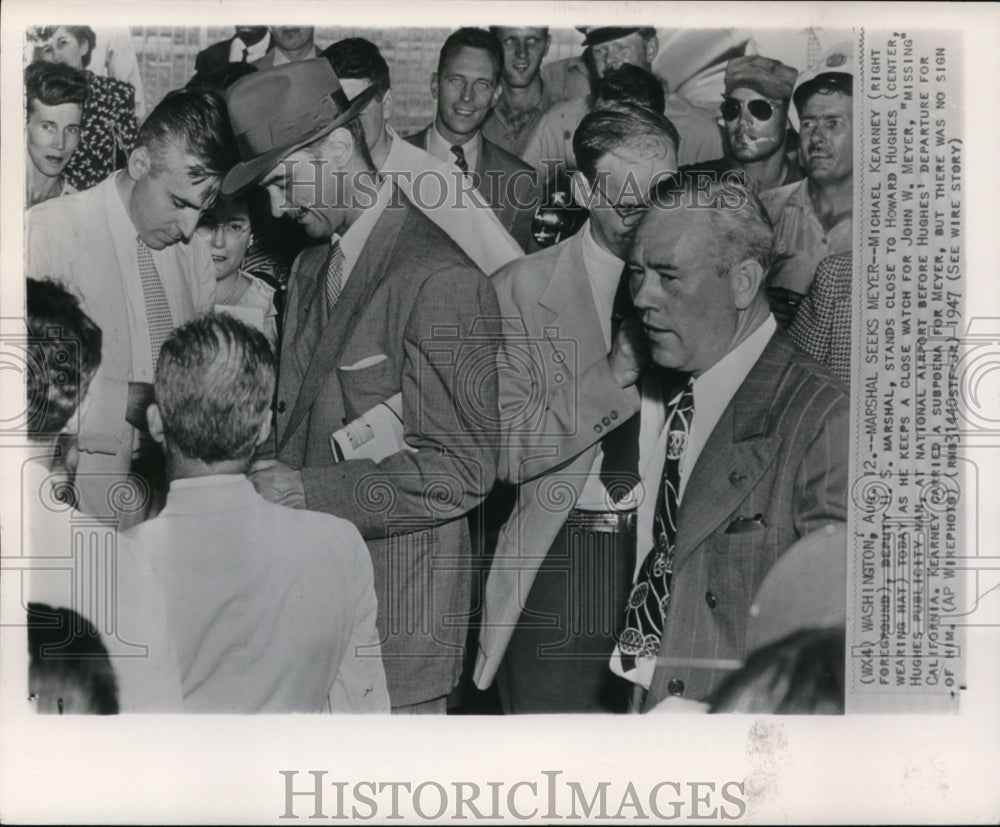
(569, 399)
(754, 116)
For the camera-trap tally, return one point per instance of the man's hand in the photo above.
(629, 353)
(278, 483)
(140, 397)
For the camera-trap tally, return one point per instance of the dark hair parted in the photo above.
(68, 664)
(472, 38)
(64, 351)
(634, 128)
(358, 59)
(628, 84)
(195, 122)
(83, 34)
(214, 383)
(54, 84)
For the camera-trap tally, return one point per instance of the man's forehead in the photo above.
(745, 93)
(520, 31)
(666, 228)
(647, 158)
(470, 57)
(829, 102)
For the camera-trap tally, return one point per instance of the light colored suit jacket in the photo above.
(270, 609)
(507, 183)
(558, 399)
(70, 240)
(778, 451)
(416, 299)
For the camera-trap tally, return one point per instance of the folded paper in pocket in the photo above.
(367, 362)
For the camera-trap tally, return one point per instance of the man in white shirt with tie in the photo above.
(742, 446)
(128, 249)
(555, 594)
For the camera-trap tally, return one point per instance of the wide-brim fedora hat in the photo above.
(276, 111)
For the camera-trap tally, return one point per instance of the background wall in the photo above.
(166, 60)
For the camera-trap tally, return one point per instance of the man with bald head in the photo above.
(743, 448)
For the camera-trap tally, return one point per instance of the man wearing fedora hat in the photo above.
(390, 309)
(754, 114)
(550, 148)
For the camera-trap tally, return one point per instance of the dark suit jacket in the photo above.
(214, 58)
(779, 450)
(416, 299)
(506, 182)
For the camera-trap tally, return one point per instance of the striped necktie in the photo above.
(158, 318)
(460, 161)
(334, 277)
(647, 605)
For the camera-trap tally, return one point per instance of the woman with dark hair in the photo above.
(108, 128)
(54, 99)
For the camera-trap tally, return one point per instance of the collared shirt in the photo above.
(440, 147)
(176, 289)
(511, 128)
(353, 241)
(801, 241)
(713, 391)
(438, 190)
(280, 58)
(604, 271)
(254, 52)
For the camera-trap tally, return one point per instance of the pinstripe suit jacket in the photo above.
(414, 298)
(780, 450)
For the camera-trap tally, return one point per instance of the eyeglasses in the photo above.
(629, 214)
(761, 109)
(230, 229)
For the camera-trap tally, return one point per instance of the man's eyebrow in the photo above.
(660, 266)
(186, 202)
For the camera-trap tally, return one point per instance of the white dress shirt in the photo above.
(713, 391)
(604, 271)
(254, 52)
(440, 147)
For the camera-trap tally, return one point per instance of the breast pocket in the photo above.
(366, 382)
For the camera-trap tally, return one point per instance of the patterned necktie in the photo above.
(647, 605)
(158, 318)
(334, 277)
(459, 154)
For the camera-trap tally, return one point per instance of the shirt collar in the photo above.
(254, 52)
(601, 265)
(353, 241)
(715, 388)
(440, 147)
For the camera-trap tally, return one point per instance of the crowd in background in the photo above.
(540, 408)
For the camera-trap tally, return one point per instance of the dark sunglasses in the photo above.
(762, 110)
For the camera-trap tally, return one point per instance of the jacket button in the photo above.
(736, 477)
(598, 429)
(710, 599)
(281, 406)
(675, 687)
(614, 414)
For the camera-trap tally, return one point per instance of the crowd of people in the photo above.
(527, 405)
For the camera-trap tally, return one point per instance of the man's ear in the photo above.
(139, 163)
(580, 187)
(434, 85)
(340, 145)
(652, 48)
(155, 422)
(387, 105)
(745, 280)
(265, 430)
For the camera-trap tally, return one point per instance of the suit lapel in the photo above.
(736, 455)
(368, 272)
(570, 301)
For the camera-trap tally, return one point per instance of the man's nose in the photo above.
(467, 92)
(187, 224)
(640, 286)
(521, 50)
(277, 200)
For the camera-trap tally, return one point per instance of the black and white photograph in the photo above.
(619, 382)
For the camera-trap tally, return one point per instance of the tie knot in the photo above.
(460, 160)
